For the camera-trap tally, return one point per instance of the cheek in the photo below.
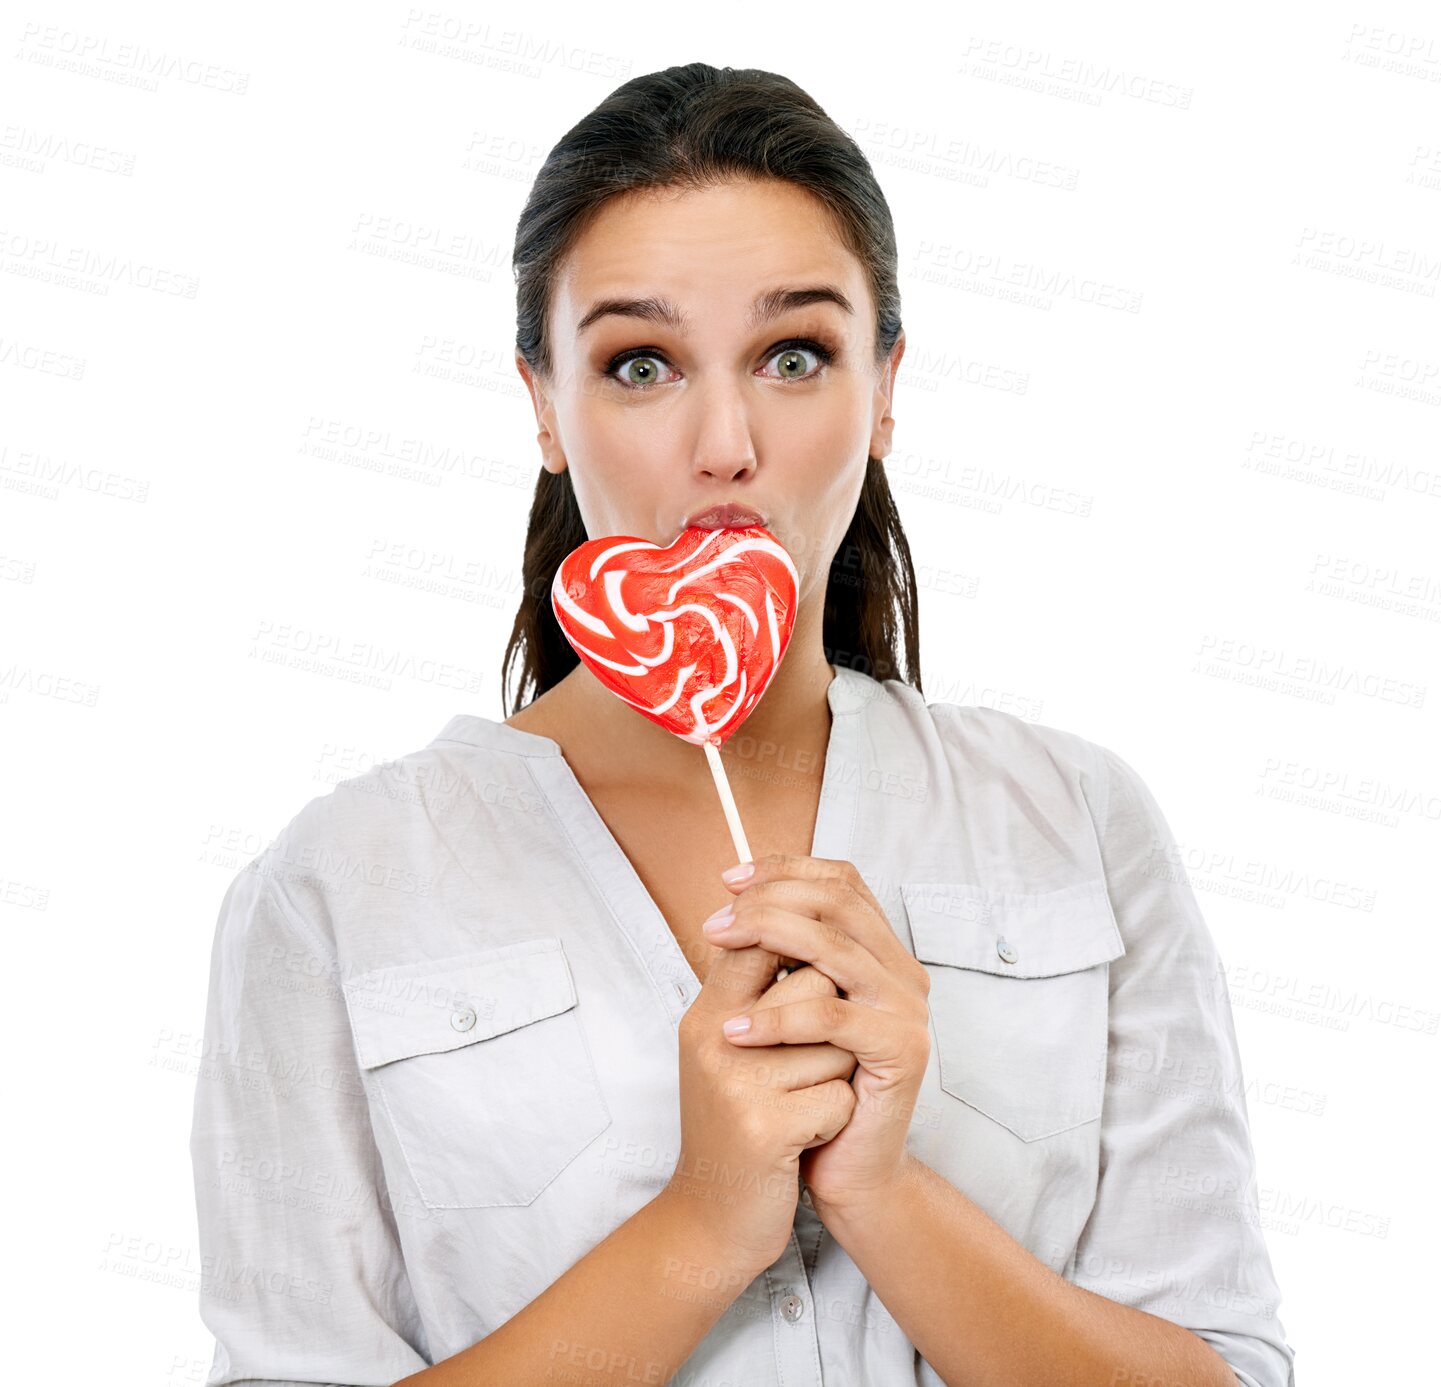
(621, 465)
(829, 476)
(829, 458)
(626, 439)
(834, 425)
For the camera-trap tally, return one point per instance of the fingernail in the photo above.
(720, 919)
(737, 1025)
(740, 872)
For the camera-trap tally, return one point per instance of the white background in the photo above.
(254, 448)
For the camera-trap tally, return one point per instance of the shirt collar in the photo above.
(849, 692)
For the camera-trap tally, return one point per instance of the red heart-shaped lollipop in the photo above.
(690, 635)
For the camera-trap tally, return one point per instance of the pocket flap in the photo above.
(440, 1004)
(1012, 934)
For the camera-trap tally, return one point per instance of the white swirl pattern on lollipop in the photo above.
(618, 619)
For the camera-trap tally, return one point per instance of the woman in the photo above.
(478, 1119)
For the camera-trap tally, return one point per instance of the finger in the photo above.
(810, 982)
(804, 982)
(735, 979)
(785, 1067)
(800, 867)
(882, 1041)
(829, 889)
(831, 950)
(830, 1106)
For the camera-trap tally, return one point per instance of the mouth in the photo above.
(729, 516)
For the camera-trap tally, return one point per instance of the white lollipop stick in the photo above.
(733, 818)
(728, 803)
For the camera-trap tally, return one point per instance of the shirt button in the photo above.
(463, 1018)
(793, 1307)
(1008, 954)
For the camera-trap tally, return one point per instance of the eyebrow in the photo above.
(769, 305)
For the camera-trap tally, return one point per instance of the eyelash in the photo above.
(822, 353)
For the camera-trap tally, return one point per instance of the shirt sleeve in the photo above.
(1175, 1229)
(302, 1278)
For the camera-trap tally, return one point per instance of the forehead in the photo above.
(711, 248)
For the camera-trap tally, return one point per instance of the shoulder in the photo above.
(376, 837)
(974, 743)
(1066, 778)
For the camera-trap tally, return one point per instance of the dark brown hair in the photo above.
(692, 127)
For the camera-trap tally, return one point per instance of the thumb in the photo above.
(736, 979)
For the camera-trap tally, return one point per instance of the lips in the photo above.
(730, 515)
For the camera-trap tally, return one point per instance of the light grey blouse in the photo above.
(440, 1058)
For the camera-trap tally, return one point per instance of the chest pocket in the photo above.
(481, 1063)
(1019, 998)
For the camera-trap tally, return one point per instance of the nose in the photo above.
(724, 448)
(726, 471)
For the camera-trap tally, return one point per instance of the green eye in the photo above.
(792, 363)
(790, 359)
(640, 370)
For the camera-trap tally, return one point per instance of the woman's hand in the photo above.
(821, 912)
(746, 1116)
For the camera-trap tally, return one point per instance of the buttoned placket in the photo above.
(636, 915)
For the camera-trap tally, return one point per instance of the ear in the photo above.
(884, 422)
(552, 455)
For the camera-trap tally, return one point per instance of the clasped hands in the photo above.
(864, 993)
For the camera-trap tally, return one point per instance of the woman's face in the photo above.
(767, 403)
